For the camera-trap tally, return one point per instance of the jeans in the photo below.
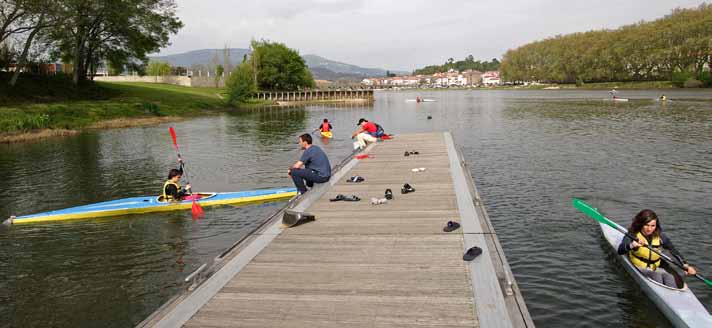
(363, 138)
(305, 177)
(659, 276)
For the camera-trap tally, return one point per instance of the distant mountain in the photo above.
(202, 57)
(321, 68)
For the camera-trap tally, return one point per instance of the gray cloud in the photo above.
(401, 34)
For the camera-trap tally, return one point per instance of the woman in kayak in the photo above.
(646, 228)
(171, 188)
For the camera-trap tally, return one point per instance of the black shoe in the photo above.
(407, 188)
(352, 198)
(389, 194)
(338, 198)
(451, 226)
(472, 253)
(406, 154)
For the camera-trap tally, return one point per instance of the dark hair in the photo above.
(641, 219)
(326, 120)
(306, 138)
(361, 120)
(174, 172)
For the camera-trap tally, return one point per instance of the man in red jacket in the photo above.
(365, 133)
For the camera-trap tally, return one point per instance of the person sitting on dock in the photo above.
(646, 227)
(171, 188)
(367, 132)
(313, 167)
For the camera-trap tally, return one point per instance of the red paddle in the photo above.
(196, 210)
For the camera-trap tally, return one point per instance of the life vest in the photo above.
(643, 257)
(325, 127)
(169, 182)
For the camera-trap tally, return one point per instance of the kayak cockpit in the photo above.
(679, 281)
(198, 196)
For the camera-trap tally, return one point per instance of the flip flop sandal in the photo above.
(451, 226)
(415, 170)
(355, 179)
(338, 198)
(352, 198)
(421, 169)
(472, 253)
(389, 194)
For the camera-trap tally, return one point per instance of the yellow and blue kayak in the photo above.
(326, 134)
(139, 205)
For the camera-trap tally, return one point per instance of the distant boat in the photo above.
(552, 88)
(616, 99)
(422, 100)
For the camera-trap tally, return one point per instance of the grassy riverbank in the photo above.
(38, 105)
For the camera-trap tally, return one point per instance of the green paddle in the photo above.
(596, 215)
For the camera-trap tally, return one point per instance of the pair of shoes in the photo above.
(412, 153)
(407, 188)
(451, 226)
(418, 169)
(352, 198)
(389, 194)
(472, 253)
(355, 179)
(378, 201)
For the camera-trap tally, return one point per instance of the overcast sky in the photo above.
(401, 35)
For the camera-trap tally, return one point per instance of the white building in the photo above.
(491, 78)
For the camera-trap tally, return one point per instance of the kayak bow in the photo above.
(148, 204)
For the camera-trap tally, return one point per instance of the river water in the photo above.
(530, 152)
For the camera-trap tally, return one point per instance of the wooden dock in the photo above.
(364, 265)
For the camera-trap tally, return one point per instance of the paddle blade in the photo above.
(593, 213)
(705, 280)
(173, 135)
(197, 211)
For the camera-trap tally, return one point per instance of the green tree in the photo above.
(671, 47)
(219, 70)
(121, 31)
(278, 67)
(240, 84)
(158, 68)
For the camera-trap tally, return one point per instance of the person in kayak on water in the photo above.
(313, 167)
(325, 126)
(171, 188)
(646, 228)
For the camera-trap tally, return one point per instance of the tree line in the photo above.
(677, 47)
(84, 33)
(461, 65)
